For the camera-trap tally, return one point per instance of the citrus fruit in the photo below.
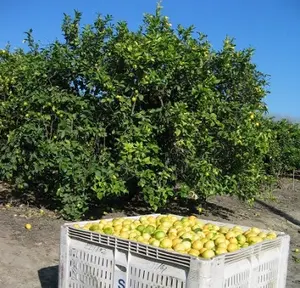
(220, 251)
(94, 227)
(194, 252)
(187, 244)
(166, 243)
(207, 254)
(159, 235)
(209, 244)
(180, 248)
(28, 226)
(108, 230)
(232, 247)
(197, 245)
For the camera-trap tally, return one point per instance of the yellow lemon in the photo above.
(28, 226)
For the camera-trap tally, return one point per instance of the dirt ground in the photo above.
(29, 259)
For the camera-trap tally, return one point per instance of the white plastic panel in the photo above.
(91, 260)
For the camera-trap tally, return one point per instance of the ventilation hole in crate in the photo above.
(268, 273)
(87, 269)
(98, 285)
(140, 278)
(240, 280)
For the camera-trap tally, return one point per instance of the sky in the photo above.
(271, 27)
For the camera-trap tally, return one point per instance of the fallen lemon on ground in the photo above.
(28, 226)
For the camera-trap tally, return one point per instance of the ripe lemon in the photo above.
(146, 236)
(197, 245)
(222, 245)
(209, 244)
(233, 240)
(28, 226)
(241, 239)
(254, 240)
(204, 240)
(87, 226)
(219, 240)
(187, 235)
(172, 236)
(124, 234)
(166, 224)
(255, 230)
(272, 235)
(245, 245)
(154, 242)
(207, 226)
(229, 234)
(262, 235)
(176, 241)
(151, 219)
(232, 247)
(210, 235)
(216, 228)
(180, 248)
(250, 235)
(186, 244)
(202, 250)
(194, 252)
(220, 251)
(238, 228)
(173, 230)
(127, 222)
(177, 224)
(118, 227)
(166, 243)
(207, 254)
(224, 230)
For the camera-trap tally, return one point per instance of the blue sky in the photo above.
(272, 27)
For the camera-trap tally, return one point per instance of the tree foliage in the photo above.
(284, 153)
(109, 112)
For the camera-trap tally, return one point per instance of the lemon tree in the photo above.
(284, 153)
(154, 113)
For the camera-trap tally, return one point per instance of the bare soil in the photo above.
(30, 258)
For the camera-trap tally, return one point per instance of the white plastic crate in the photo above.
(93, 260)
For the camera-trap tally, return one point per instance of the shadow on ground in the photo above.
(5, 194)
(279, 212)
(49, 277)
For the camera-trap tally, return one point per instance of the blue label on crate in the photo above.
(121, 283)
(120, 279)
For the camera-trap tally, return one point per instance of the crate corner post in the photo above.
(63, 258)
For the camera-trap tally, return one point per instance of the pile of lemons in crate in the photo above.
(187, 235)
